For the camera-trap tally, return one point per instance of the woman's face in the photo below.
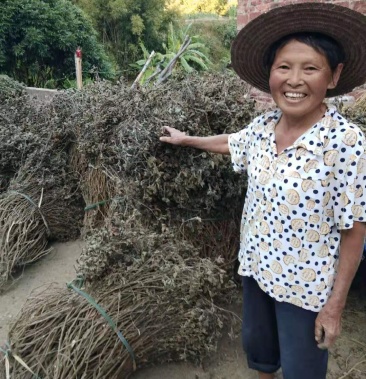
(299, 79)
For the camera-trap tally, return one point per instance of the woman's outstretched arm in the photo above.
(214, 144)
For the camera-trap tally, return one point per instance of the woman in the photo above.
(303, 221)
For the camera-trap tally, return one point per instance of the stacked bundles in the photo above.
(39, 197)
(161, 224)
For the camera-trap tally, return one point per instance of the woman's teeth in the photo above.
(294, 95)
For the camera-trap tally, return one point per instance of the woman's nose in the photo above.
(295, 78)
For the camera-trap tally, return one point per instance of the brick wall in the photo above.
(250, 9)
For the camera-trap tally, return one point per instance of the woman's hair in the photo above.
(322, 43)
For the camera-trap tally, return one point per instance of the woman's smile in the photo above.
(295, 96)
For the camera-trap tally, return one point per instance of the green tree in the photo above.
(220, 7)
(123, 24)
(38, 39)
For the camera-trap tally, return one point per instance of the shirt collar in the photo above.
(269, 123)
(314, 139)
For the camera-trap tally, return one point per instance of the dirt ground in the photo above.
(347, 358)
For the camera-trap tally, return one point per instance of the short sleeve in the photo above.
(238, 147)
(349, 181)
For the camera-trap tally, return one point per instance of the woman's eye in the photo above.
(283, 67)
(310, 68)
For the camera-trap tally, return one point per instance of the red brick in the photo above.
(242, 7)
(255, 7)
(242, 20)
(254, 15)
(360, 6)
(343, 4)
(263, 8)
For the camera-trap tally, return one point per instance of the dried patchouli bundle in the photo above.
(161, 302)
(119, 137)
(357, 112)
(121, 158)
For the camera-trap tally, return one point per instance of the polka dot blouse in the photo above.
(296, 204)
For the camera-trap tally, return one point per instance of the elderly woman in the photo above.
(303, 223)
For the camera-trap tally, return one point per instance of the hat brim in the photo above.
(344, 25)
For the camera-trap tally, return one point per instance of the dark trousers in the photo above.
(278, 334)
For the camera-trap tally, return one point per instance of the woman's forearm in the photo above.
(352, 241)
(214, 144)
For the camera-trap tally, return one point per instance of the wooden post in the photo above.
(147, 63)
(164, 75)
(78, 66)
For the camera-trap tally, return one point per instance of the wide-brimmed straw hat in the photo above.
(344, 25)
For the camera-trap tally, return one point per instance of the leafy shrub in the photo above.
(38, 39)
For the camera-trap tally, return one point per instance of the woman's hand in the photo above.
(328, 322)
(175, 137)
(328, 326)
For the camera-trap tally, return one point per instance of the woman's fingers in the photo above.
(165, 139)
(329, 340)
(319, 332)
(167, 129)
(172, 135)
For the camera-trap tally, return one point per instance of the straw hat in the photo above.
(344, 25)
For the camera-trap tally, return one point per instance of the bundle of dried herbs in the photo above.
(357, 113)
(162, 302)
(40, 199)
(33, 213)
(128, 234)
(10, 89)
(120, 136)
(23, 231)
(36, 131)
(119, 155)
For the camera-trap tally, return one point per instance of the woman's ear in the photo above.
(335, 76)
